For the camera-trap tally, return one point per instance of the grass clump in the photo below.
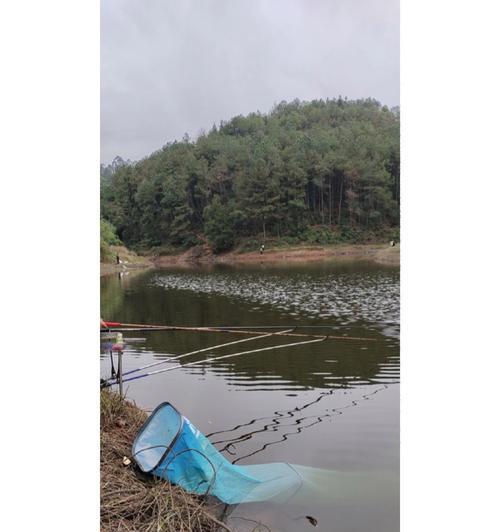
(132, 501)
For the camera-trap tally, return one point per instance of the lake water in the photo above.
(332, 405)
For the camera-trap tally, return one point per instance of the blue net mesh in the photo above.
(170, 447)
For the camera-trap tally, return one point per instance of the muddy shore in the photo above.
(378, 253)
(128, 261)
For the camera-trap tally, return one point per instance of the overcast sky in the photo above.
(175, 66)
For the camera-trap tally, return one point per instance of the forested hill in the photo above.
(321, 171)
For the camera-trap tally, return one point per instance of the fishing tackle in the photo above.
(232, 355)
(199, 351)
(247, 329)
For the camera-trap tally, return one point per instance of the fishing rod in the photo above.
(232, 355)
(114, 324)
(197, 352)
(131, 327)
(223, 327)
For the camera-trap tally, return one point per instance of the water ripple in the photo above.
(349, 298)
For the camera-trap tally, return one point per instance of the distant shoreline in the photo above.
(378, 253)
(128, 261)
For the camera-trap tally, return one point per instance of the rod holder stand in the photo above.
(120, 373)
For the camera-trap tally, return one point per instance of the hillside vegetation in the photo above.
(320, 171)
(108, 239)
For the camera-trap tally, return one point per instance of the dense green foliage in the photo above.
(320, 170)
(108, 238)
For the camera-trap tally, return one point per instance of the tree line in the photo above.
(326, 167)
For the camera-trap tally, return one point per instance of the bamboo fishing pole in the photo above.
(232, 355)
(115, 324)
(211, 348)
(133, 327)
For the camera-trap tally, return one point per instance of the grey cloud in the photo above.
(170, 67)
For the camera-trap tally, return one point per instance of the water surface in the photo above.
(332, 405)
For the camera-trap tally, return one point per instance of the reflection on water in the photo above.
(294, 420)
(332, 405)
(369, 296)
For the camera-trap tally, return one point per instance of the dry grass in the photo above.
(131, 500)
